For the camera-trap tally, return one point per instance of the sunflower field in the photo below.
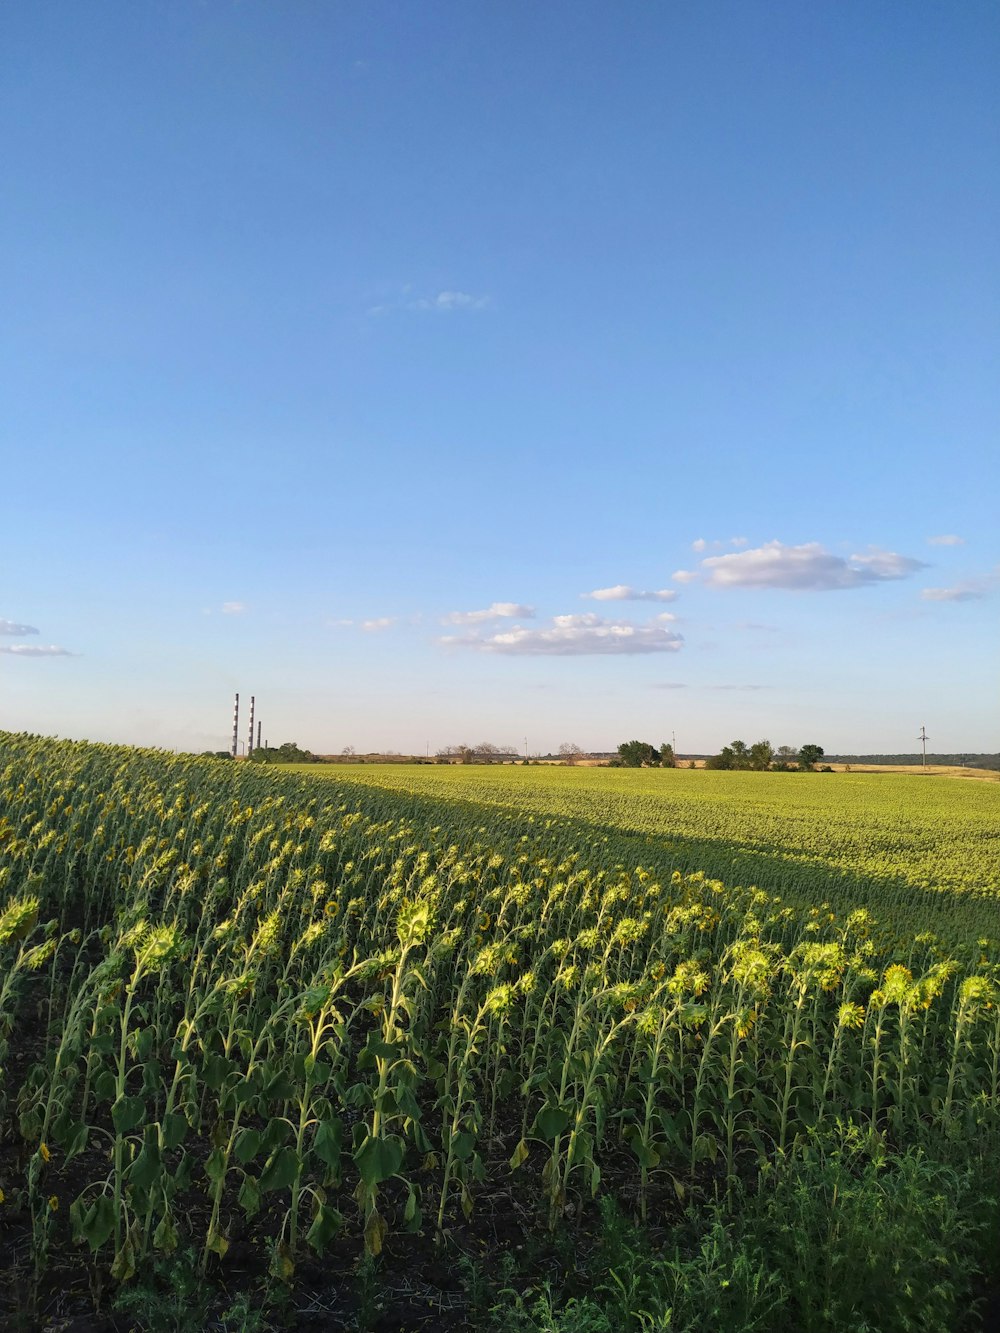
(345, 1055)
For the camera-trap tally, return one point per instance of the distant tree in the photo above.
(637, 754)
(348, 751)
(784, 759)
(487, 753)
(288, 753)
(741, 754)
(809, 756)
(215, 754)
(570, 752)
(761, 754)
(667, 758)
(724, 759)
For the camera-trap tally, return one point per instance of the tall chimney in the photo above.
(250, 737)
(258, 734)
(236, 726)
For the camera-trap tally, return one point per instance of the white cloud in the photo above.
(741, 687)
(684, 576)
(377, 623)
(804, 568)
(946, 539)
(448, 301)
(668, 685)
(35, 650)
(11, 627)
(444, 303)
(574, 636)
(962, 593)
(886, 564)
(700, 544)
(233, 608)
(624, 592)
(498, 611)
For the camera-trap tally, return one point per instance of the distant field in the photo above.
(881, 839)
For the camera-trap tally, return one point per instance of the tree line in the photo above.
(759, 757)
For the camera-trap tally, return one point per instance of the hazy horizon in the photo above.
(440, 375)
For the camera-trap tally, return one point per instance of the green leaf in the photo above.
(127, 1113)
(247, 1146)
(165, 1236)
(97, 1222)
(215, 1166)
(105, 1086)
(78, 1143)
(280, 1170)
(326, 1224)
(462, 1145)
(123, 1266)
(276, 1135)
(146, 1167)
(279, 1087)
(359, 1094)
(377, 1160)
(172, 1130)
(327, 1142)
(245, 1090)
(215, 1070)
(407, 1103)
(550, 1122)
(249, 1196)
(412, 1215)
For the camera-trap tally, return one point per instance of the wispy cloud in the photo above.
(576, 636)
(377, 623)
(498, 611)
(741, 688)
(233, 608)
(668, 685)
(35, 650)
(18, 631)
(946, 539)
(624, 592)
(700, 544)
(804, 568)
(963, 592)
(443, 303)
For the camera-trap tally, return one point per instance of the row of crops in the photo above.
(242, 1009)
(905, 844)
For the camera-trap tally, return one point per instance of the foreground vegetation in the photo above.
(284, 1053)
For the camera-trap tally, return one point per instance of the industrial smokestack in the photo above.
(250, 737)
(258, 735)
(236, 726)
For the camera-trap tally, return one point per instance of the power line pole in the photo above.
(923, 738)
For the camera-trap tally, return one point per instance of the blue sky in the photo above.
(347, 348)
